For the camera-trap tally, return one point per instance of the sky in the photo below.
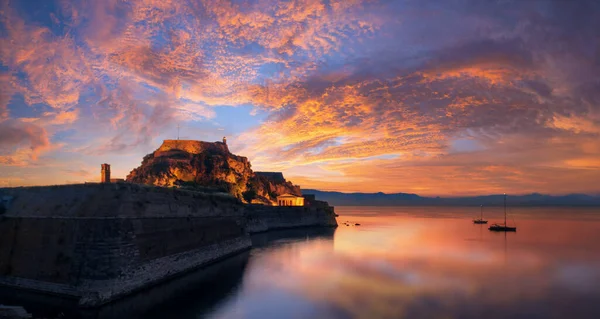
(448, 97)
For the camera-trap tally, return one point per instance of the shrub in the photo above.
(249, 195)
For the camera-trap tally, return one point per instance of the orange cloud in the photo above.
(575, 124)
(344, 83)
(21, 142)
(492, 75)
(63, 117)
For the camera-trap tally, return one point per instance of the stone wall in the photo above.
(111, 200)
(98, 242)
(276, 177)
(193, 147)
(99, 259)
(260, 218)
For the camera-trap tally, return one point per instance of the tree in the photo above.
(249, 195)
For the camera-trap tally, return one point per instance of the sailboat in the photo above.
(503, 227)
(480, 220)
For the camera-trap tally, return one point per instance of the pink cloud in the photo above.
(20, 140)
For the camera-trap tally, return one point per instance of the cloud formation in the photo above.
(21, 141)
(347, 87)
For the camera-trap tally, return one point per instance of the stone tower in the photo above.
(105, 173)
(224, 140)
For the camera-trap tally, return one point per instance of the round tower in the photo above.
(224, 140)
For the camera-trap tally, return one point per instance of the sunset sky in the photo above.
(430, 97)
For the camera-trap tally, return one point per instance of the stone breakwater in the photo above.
(99, 242)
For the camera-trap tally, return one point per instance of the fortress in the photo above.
(194, 164)
(275, 176)
(193, 147)
(99, 242)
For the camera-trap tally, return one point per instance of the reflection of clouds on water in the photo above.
(281, 304)
(579, 277)
(414, 268)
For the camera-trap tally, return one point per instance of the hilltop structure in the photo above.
(274, 176)
(210, 165)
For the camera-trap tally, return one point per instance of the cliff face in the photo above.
(195, 163)
(269, 187)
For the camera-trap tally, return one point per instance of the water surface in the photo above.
(428, 262)
(400, 263)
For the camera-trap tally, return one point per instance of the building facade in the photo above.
(290, 200)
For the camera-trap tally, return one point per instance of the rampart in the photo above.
(99, 242)
(193, 147)
(117, 200)
(97, 260)
(274, 176)
(262, 218)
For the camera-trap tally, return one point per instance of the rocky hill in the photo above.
(205, 165)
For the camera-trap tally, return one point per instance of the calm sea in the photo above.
(399, 263)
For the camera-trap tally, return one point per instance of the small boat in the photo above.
(502, 227)
(480, 220)
(496, 227)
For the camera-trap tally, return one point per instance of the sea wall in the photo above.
(260, 218)
(99, 259)
(99, 242)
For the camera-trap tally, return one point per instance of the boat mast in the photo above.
(481, 213)
(504, 209)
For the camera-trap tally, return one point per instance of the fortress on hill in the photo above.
(193, 146)
(189, 204)
(210, 165)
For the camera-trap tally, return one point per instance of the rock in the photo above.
(270, 185)
(210, 167)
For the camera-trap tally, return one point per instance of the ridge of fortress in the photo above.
(193, 146)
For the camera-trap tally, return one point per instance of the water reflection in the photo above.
(190, 296)
(279, 237)
(400, 263)
(404, 264)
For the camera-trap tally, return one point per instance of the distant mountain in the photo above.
(405, 199)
